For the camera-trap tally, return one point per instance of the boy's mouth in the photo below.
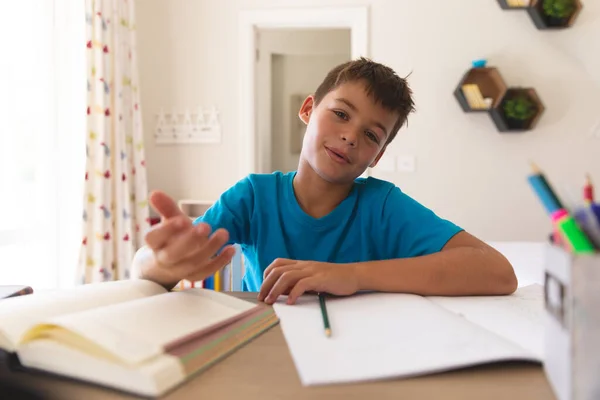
(337, 155)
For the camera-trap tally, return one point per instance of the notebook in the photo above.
(132, 335)
(391, 335)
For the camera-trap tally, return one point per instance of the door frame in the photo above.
(250, 21)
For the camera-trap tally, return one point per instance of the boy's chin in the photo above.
(333, 174)
(337, 177)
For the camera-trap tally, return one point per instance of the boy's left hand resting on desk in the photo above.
(465, 266)
(294, 278)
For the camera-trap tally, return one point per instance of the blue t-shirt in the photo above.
(377, 221)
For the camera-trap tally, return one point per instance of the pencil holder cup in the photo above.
(572, 324)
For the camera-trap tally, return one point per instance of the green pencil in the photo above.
(324, 314)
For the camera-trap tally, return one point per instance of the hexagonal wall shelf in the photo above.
(519, 110)
(480, 89)
(512, 109)
(554, 14)
(547, 14)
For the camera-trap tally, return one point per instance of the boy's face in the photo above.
(345, 133)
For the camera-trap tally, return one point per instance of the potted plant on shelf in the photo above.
(518, 111)
(558, 12)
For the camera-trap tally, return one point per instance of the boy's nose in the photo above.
(349, 138)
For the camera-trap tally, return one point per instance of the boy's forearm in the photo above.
(452, 272)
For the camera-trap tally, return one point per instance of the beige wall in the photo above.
(466, 171)
(299, 59)
(293, 75)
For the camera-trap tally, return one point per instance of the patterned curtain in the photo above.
(116, 211)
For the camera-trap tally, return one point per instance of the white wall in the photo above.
(290, 60)
(298, 61)
(294, 74)
(466, 171)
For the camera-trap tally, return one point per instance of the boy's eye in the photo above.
(341, 114)
(372, 136)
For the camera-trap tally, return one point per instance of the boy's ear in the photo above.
(376, 160)
(306, 109)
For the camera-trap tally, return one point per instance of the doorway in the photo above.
(291, 63)
(257, 117)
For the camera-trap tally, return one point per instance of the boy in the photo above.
(322, 228)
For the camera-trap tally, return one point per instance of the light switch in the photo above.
(405, 163)
(595, 131)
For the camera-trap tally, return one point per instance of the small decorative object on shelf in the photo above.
(547, 14)
(519, 110)
(514, 4)
(554, 14)
(512, 109)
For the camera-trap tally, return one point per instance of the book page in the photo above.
(517, 317)
(384, 335)
(140, 329)
(17, 314)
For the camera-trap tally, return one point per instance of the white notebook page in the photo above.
(138, 330)
(17, 314)
(383, 335)
(517, 317)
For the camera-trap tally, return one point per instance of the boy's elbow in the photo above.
(140, 257)
(507, 279)
(500, 278)
(510, 282)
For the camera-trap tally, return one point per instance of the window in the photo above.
(42, 141)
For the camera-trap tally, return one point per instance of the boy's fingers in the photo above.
(211, 246)
(212, 266)
(286, 281)
(278, 262)
(272, 274)
(279, 281)
(159, 235)
(164, 205)
(183, 245)
(301, 287)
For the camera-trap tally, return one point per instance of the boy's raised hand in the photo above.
(182, 250)
(294, 278)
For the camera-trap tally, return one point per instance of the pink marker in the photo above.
(557, 216)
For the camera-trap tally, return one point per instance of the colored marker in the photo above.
(587, 222)
(588, 198)
(588, 190)
(595, 207)
(576, 240)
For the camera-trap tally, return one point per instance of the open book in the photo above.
(129, 335)
(387, 335)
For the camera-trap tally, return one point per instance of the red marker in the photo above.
(588, 190)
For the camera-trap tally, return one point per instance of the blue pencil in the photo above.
(544, 191)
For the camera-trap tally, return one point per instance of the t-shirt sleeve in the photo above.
(232, 212)
(411, 229)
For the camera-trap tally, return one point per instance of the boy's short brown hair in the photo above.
(381, 82)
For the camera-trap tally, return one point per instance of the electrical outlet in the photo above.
(405, 163)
